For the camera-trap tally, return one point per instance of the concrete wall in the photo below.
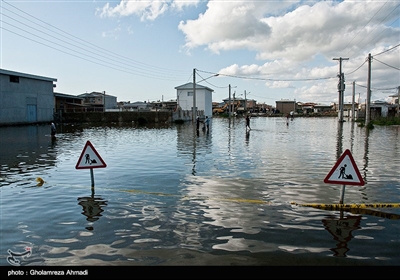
(136, 117)
(285, 107)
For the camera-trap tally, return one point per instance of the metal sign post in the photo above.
(342, 194)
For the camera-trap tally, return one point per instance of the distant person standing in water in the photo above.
(248, 122)
(53, 130)
(207, 123)
(197, 123)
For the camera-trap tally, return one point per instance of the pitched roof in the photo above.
(58, 94)
(190, 86)
(94, 94)
(29, 76)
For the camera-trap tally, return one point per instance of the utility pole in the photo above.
(194, 95)
(229, 106)
(104, 101)
(234, 102)
(398, 101)
(245, 103)
(294, 106)
(341, 87)
(368, 101)
(352, 102)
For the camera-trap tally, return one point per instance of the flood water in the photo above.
(170, 196)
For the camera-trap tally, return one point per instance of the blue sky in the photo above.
(142, 50)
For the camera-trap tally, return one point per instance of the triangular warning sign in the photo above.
(345, 172)
(90, 158)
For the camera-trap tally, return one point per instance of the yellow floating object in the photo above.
(144, 192)
(40, 181)
(371, 212)
(364, 209)
(347, 206)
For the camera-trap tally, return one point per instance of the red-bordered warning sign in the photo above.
(345, 172)
(90, 158)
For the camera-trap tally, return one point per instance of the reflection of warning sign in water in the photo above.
(345, 172)
(90, 158)
(341, 230)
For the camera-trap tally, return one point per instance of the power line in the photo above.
(94, 51)
(384, 19)
(357, 68)
(392, 48)
(364, 27)
(387, 64)
(269, 79)
(375, 25)
(83, 58)
(90, 44)
(376, 88)
(100, 56)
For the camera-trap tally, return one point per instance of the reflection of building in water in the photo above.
(193, 146)
(92, 207)
(341, 230)
(29, 145)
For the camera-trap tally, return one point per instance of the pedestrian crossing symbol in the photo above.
(90, 158)
(345, 172)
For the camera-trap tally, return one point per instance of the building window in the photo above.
(14, 79)
(190, 93)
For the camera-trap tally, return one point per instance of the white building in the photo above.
(25, 98)
(203, 99)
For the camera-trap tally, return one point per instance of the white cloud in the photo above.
(145, 9)
(329, 28)
(278, 84)
(293, 40)
(225, 26)
(180, 5)
(114, 33)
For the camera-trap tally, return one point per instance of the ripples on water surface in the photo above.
(171, 197)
